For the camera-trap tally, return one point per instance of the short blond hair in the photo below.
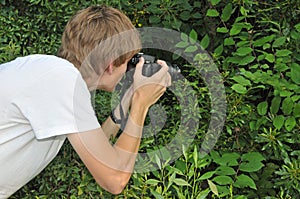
(91, 26)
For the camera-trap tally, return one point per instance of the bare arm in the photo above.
(110, 165)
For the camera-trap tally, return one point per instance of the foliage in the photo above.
(255, 45)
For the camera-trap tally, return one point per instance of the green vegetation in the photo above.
(256, 47)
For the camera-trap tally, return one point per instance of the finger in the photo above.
(139, 65)
(163, 64)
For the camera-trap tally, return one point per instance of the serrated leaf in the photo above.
(295, 73)
(239, 88)
(262, 108)
(213, 187)
(226, 13)
(290, 123)
(283, 53)
(205, 41)
(243, 181)
(181, 182)
(279, 42)
(212, 13)
(278, 122)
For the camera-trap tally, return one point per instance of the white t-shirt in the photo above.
(42, 98)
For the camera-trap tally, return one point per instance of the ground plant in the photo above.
(255, 45)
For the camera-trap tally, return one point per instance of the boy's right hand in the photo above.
(147, 90)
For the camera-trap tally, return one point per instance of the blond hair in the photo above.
(88, 34)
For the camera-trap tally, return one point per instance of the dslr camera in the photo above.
(150, 66)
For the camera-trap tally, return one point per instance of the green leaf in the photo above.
(203, 194)
(229, 42)
(295, 73)
(226, 13)
(223, 180)
(182, 44)
(275, 104)
(241, 80)
(278, 121)
(287, 106)
(247, 60)
(270, 58)
(222, 30)
(296, 111)
(154, 19)
(181, 182)
(228, 159)
(290, 123)
(212, 13)
(225, 170)
(184, 37)
(239, 88)
(242, 51)
(283, 53)
(279, 42)
(262, 108)
(219, 50)
(243, 181)
(193, 36)
(251, 162)
(262, 41)
(207, 175)
(191, 49)
(297, 26)
(205, 41)
(236, 29)
(215, 2)
(152, 182)
(213, 187)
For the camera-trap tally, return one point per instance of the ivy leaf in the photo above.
(243, 181)
(262, 108)
(212, 13)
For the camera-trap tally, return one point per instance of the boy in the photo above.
(45, 99)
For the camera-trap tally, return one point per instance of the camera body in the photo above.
(150, 66)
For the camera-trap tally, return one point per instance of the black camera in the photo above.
(150, 66)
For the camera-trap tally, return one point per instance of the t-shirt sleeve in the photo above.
(58, 103)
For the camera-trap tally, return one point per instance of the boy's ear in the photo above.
(109, 68)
